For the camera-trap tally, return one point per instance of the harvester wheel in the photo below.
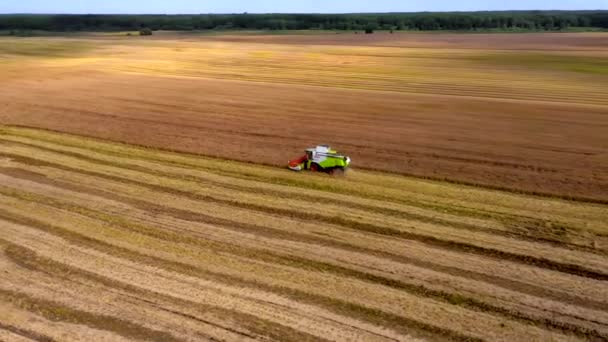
(340, 172)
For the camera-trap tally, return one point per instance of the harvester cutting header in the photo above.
(321, 159)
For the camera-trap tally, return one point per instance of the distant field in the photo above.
(108, 241)
(527, 112)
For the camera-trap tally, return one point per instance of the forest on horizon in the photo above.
(427, 21)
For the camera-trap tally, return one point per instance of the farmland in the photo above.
(523, 111)
(144, 195)
(114, 241)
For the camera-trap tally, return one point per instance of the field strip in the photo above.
(363, 83)
(188, 234)
(185, 247)
(193, 289)
(21, 325)
(209, 319)
(385, 184)
(535, 253)
(414, 211)
(234, 183)
(245, 187)
(370, 72)
(275, 227)
(352, 285)
(247, 292)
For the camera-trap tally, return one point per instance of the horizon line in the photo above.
(309, 13)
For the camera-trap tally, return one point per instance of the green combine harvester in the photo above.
(321, 159)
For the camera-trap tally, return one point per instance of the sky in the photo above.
(285, 6)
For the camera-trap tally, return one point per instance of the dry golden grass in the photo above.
(115, 241)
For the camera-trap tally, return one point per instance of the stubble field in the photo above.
(140, 197)
(114, 241)
(522, 111)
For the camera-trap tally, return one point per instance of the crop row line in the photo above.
(540, 262)
(376, 316)
(273, 233)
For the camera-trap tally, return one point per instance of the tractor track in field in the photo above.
(255, 324)
(525, 167)
(304, 216)
(346, 223)
(520, 224)
(274, 233)
(224, 248)
(328, 303)
(30, 260)
(199, 179)
(338, 270)
(26, 333)
(49, 310)
(582, 332)
(210, 198)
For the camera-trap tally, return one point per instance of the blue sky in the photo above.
(301, 6)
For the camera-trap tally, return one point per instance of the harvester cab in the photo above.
(320, 159)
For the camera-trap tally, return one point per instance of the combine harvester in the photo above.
(321, 159)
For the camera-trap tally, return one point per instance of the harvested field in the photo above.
(101, 240)
(524, 112)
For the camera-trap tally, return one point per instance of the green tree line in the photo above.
(522, 20)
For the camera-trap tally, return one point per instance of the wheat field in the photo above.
(107, 241)
(523, 112)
